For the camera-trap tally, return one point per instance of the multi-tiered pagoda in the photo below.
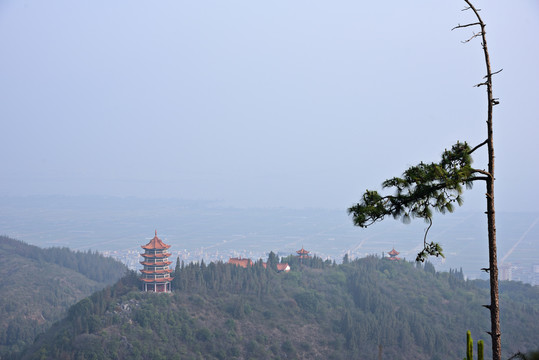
(303, 254)
(393, 255)
(156, 273)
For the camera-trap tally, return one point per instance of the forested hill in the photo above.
(39, 285)
(319, 310)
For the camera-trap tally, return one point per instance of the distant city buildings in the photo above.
(131, 258)
(519, 272)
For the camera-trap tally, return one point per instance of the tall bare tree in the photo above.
(438, 186)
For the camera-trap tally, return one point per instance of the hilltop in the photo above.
(318, 310)
(39, 285)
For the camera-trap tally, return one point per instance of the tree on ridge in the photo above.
(438, 186)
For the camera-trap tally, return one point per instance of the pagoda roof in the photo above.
(162, 255)
(156, 263)
(156, 244)
(160, 280)
(393, 252)
(302, 251)
(156, 271)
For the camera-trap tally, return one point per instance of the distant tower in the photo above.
(393, 255)
(156, 273)
(302, 254)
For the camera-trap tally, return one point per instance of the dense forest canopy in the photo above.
(39, 285)
(318, 310)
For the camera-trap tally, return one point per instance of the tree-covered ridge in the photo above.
(353, 310)
(39, 285)
(92, 265)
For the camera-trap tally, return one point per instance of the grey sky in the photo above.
(253, 103)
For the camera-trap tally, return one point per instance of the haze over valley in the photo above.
(204, 230)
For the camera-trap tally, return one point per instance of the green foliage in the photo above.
(469, 347)
(307, 300)
(39, 285)
(480, 350)
(272, 262)
(421, 189)
(337, 312)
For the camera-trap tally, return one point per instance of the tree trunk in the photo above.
(495, 332)
(491, 215)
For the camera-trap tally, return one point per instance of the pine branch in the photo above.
(483, 178)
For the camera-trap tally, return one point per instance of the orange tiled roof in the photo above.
(280, 266)
(240, 262)
(169, 279)
(156, 243)
(163, 263)
(163, 255)
(302, 251)
(156, 271)
(283, 267)
(393, 252)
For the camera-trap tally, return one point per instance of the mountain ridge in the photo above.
(319, 310)
(39, 285)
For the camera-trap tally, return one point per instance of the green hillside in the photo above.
(39, 285)
(317, 311)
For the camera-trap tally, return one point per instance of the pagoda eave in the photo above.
(162, 255)
(164, 263)
(162, 280)
(156, 271)
(153, 247)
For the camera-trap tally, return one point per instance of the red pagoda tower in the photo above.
(302, 254)
(393, 255)
(156, 272)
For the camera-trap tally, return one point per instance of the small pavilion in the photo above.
(393, 255)
(303, 254)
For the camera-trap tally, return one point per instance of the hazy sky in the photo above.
(259, 103)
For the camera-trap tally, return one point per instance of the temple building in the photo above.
(281, 267)
(244, 263)
(303, 254)
(393, 255)
(156, 272)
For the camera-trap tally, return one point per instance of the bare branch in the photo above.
(478, 146)
(494, 73)
(463, 26)
(468, 8)
(481, 84)
(426, 232)
(482, 172)
(473, 37)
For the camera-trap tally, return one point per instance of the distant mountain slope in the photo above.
(37, 286)
(318, 310)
